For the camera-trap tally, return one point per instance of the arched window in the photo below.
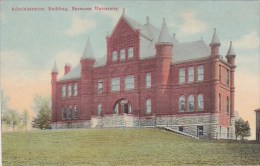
(200, 102)
(114, 56)
(64, 91)
(63, 113)
(69, 90)
(227, 105)
(182, 103)
(99, 109)
(130, 52)
(69, 112)
(191, 103)
(75, 112)
(122, 55)
(219, 102)
(75, 88)
(148, 106)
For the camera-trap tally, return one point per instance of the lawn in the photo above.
(121, 147)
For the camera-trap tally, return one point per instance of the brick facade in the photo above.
(162, 96)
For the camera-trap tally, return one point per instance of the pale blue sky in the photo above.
(32, 40)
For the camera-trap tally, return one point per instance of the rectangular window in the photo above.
(148, 80)
(199, 130)
(64, 91)
(69, 90)
(75, 89)
(191, 74)
(114, 56)
(130, 53)
(100, 86)
(122, 55)
(200, 73)
(129, 83)
(148, 106)
(115, 84)
(182, 75)
(227, 79)
(181, 128)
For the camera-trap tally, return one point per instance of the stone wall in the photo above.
(66, 125)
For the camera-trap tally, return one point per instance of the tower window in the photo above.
(227, 79)
(122, 55)
(130, 53)
(114, 56)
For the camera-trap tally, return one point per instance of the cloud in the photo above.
(79, 26)
(248, 41)
(66, 56)
(190, 26)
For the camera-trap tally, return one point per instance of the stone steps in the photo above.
(179, 132)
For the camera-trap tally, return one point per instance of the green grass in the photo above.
(122, 147)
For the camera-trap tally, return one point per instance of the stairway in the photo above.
(179, 132)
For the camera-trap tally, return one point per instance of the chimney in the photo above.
(67, 68)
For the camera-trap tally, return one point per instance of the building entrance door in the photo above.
(122, 106)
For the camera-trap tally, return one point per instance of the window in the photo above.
(191, 74)
(99, 109)
(130, 53)
(199, 130)
(200, 73)
(227, 79)
(129, 83)
(75, 89)
(114, 56)
(200, 102)
(69, 90)
(227, 105)
(191, 103)
(100, 86)
(122, 55)
(64, 91)
(115, 84)
(181, 128)
(148, 106)
(148, 80)
(69, 113)
(219, 102)
(75, 112)
(182, 75)
(228, 132)
(182, 104)
(63, 113)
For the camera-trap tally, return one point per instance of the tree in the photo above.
(242, 128)
(11, 118)
(25, 119)
(42, 120)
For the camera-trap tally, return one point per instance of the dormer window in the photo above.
(130, 53)
(122, 55)
(114, 56)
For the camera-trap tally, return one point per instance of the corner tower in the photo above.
(164, 48)
(87, 64)
(54, 74)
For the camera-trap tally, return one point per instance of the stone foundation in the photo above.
(67, 125)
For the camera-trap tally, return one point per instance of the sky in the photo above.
(32, 40)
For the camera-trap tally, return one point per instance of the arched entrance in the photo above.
(122, 106)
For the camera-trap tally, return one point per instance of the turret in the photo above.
(231, 55)
(164, 51)
(215, 44)
(87, 64)
(54, 74)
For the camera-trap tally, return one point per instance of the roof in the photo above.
(215, 39)
(231, 50)
(88, 52)
(149, 36)
(54, 69)
(164, 36)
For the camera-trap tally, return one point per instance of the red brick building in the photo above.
(148, 78)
